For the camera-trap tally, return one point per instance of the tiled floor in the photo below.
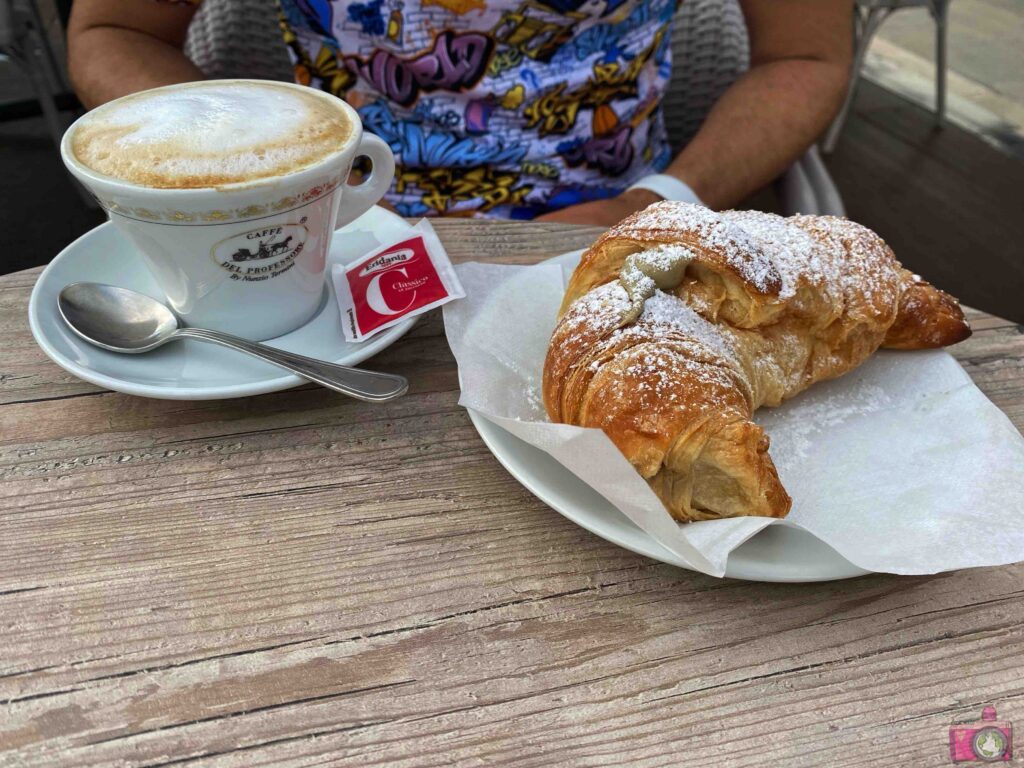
(985, 92)
(947, 202)
(984, 41)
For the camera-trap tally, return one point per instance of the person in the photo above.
(545, 109)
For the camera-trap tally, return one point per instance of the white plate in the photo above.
(778, 553)
(189, 370)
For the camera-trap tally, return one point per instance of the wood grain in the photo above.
(298, 579)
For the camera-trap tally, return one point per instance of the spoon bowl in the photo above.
(116, 318)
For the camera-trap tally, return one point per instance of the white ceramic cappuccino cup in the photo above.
(247, 257)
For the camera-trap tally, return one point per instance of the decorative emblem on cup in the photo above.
(262, 253)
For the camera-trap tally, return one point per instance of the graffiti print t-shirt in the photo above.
(502, 107)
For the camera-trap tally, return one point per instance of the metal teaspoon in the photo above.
(123, 320)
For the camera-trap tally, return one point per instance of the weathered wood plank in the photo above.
(298, 579)
(601, 667)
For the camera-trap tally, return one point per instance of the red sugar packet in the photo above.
(394, 282)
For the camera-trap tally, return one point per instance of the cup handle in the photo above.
(359, 198)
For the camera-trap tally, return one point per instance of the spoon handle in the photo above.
(370, 386)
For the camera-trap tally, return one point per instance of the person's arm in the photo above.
(799, 65)
(117, 47)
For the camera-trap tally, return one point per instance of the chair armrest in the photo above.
(807, 187)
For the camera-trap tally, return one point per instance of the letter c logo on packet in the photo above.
(375, 297)
(394, 282)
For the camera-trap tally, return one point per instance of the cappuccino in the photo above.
(210, 134)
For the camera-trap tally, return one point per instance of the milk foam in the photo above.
(209, 134)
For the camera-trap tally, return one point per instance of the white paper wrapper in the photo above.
(902, 466)
(425, 268)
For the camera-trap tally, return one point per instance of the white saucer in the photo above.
(189, 370)
(778, 553)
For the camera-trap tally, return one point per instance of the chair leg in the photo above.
(47, 104)
(53, 71)
(823, 187)
(54, 122)
(940, 12)
(864, 31)
(796, 191)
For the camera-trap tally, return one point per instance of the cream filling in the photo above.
(643, 273)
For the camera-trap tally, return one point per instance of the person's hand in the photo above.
(603, 213)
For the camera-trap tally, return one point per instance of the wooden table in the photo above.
(300, 579)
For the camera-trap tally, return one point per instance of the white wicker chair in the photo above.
(241, 38)
(238, 38)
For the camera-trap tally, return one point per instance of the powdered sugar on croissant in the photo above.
(679, 322)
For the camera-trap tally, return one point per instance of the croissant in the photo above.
(679, 322)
